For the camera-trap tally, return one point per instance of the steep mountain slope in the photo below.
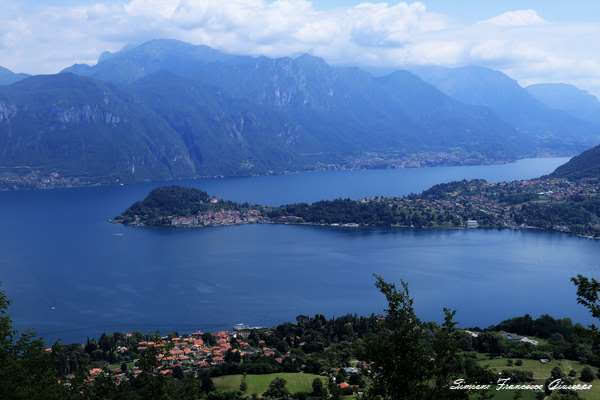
(224, 135)
(399, 109)
(447, 122)
(351, 111)
(552, 129)
(584, 166)
(167, 109)
(343, 107)
(76, 126)
(7, 77)
(360, 112)
(345, 110)
(568, 98)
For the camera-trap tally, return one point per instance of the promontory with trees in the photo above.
(567, 200)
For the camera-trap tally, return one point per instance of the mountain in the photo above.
(448, 122)
(135, 62)
(553, 130)
(334, 110)
(8, 77)
(350, 106)
(350, 102)
(568, 98)
(167, 110)
(224, 135)
(78, 127)
(584, 166)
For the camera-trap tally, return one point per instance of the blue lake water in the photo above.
(71, 274)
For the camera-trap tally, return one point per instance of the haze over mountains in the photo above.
(568, 98)
(168, 110)
(551, 128)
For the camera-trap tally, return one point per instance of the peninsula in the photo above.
(553, 203)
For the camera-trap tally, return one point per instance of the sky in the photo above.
(533, 41)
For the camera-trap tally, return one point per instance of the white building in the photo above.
(472, 224)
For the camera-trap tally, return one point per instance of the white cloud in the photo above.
(516, 18)
(519, 42)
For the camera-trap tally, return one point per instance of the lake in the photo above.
(71, 274)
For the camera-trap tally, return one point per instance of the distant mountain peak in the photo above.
(7, 77)
(105, 56)
(309, 58)
(551, 128)
(568, 98)
(135, 62)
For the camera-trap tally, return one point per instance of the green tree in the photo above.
(277, 389)
(178, 372)
(243, 384)
(209, 339)
(518, 395)
(356, 379)
(334, 391)
(556, 373)
(233, 356)
(206, 385)
(27, 371)
(587, 375)
(317, 387)
(448, 362)
(588, 294)
(190, 389)
(412, 360)
(401, 359)
(148, 361)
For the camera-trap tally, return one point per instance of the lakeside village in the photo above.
(24, 177)
(194, 352)
(189, 354)
(549, 204)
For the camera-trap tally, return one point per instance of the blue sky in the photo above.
(533, 41)
(466, 10)
(475, 10)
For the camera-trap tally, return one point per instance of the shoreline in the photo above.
(357, 227)
(68, 183)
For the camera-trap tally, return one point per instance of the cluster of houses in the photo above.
(221, 217)
(191, 352)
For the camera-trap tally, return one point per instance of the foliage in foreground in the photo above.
(408, 359)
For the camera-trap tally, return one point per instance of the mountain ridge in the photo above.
(191, 111)
(515, 105)
(583, 166)
(79, 127)
(568, 98)
(7, 77)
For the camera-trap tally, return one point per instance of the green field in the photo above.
(258, 384)
(300, 382)
(541, 372)
(508, 395)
